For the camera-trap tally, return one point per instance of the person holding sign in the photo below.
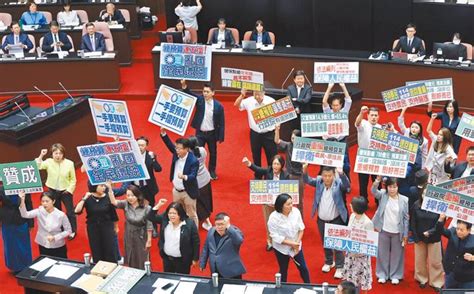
(183, 175)
(416, 132)
(208, 121)
(450, 119)
(61, 180)
(258, 138)
(275, 173)
(440, 150)
(286, 230)
(462, 169)
(458, 260)
(329, 203)
(364, 132)
(53, 225)
(357, 267)
(391, 221)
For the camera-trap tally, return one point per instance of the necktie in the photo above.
(93, 42)
(299, 91)
(409, 42)
(55, 40)
(17, 39)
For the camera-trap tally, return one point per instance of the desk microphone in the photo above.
(24, 113)
(70, 96)
(306, 77)
(287, 77)
(44, 94)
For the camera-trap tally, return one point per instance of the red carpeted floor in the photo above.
(230, 190)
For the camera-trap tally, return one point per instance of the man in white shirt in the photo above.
(364, 132)
(259, 137)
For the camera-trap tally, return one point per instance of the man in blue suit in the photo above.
(92, 41)
(208, 121)
(410, 43)
(55, 40)
(300, 93)
(222, 248)
(462, 169)
(17, 37)
(183, 174)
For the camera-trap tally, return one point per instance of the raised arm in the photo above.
(23, 212)
(80, 205)
(110, 193)
(238, 101)
(153, 216)
(429, 128)
(167, 141)
(375, 188)
(364, 109)
(326, 97)
(39, 159)
(276, 139)
(401, 121)
(306, 178)
(260, 171)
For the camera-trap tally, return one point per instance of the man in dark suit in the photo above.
(111, 14)
(222, 247)
(463, 169)
(300, 93)
(92, 41)
(55, 40)
(410, 43)
(17, 37)
(222, 34)
(183, 174)
(209, 122)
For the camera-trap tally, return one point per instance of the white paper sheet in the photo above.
(252, 289)
(233, 289)
(61, 271)
(43, 264)
(305, 291)
(160, 282)
(185, 288)
(236, 50)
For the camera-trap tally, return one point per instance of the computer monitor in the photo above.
(171, 37)
(249, 45)
(449, 50)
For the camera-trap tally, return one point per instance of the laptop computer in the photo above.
(171, 37)
(249, 45)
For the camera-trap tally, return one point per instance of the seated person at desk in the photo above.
(259, 34)
(17, 37)
(410, 43)
(111, 14)
(68, 17)
(55, 40)
(32, 16)
(222, 35)
(92, 41)
(462, 50)
(182, 29)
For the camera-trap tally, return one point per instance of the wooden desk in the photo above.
(76, 74)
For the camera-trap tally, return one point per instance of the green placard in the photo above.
(20, 176)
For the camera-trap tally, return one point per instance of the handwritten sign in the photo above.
(111, 118)
(383, 163)
(185, 61)
(406, 96)
(466, 127)
(325, 124)
(274, 113)
(20, 176)
(336, 72)
(116, 161)
(242, 79)
(320, 152)
(438, 89)
(384, 140)
(462, 185)
(266, 191)
(172, 109)
(352, 240)
(453, 204)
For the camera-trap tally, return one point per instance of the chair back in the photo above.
(247, 35)
(47, 15)
(83, 16)
(32, 39)
(470, 50)
(235, 34)
(126, 14)
(6, 18)
(272, 37)
(209, 34)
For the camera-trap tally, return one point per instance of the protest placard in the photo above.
(242, 79)
(406, 96)
(383, 163)
(336, 72)
(266, 191)
(274, 113)
(20, 176)
(333, 124)
(172, 109)
(462, 185)
(382, 139)
(438, 89)
(111, 118)
(352, 240)
(320, 152)
(451, 203)
(185, 61)
(466, 127)
(115, 161)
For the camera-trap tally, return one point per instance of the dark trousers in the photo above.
(66, 198)
(451, 283)
(283, 261)
(265, 141)
(363, 183)
(239, 277)
(329, 253)
(56, 252)
(209, 138)
(102, 241)
(175, 265)
(300, 205)
(148, 195)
